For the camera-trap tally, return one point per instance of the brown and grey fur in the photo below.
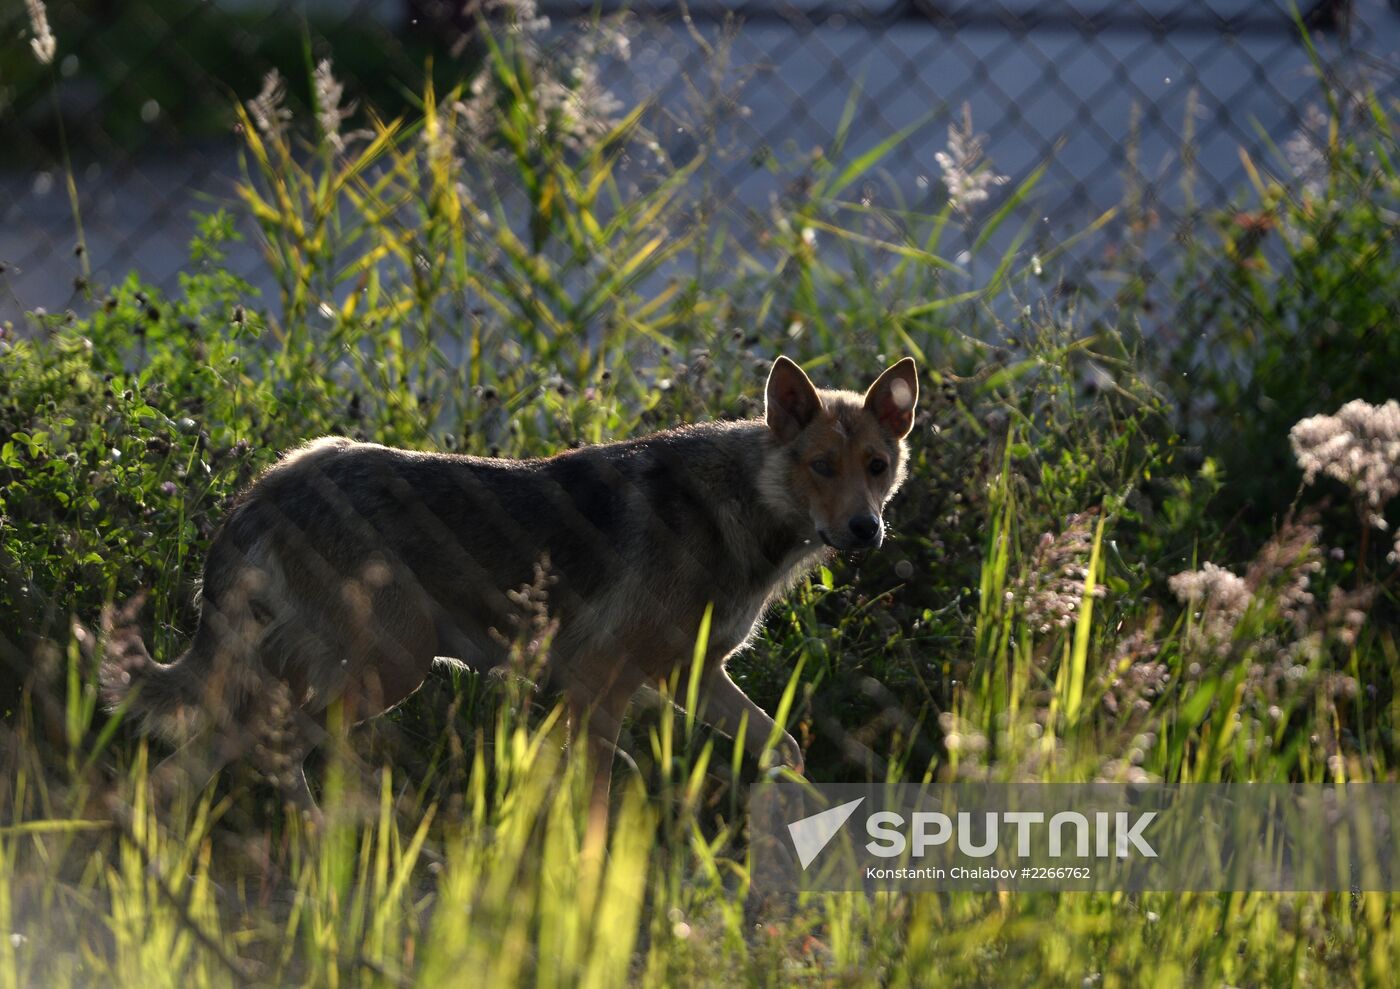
(347, 568)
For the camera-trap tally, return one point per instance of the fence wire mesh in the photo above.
(1153, 105)
(1148, 147)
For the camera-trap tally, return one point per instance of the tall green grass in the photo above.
(481, 277)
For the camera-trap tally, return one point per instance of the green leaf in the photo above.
(871, 158)
(995, 221)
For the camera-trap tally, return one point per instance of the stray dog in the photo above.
(347, 568)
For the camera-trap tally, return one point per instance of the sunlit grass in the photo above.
(486, 276)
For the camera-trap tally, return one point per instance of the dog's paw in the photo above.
(785, 754)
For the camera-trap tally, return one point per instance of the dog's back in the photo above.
(353, 562)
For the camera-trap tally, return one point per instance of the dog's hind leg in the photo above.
(195, 763)
(597, 697)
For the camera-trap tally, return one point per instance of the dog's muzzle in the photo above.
(862, 532)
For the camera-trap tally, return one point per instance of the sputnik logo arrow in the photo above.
(811, 834)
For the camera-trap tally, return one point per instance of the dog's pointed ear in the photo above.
(892, 398)
(791, 401)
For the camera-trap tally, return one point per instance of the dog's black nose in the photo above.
(865, 528)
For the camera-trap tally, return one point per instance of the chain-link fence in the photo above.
(1178, 160)
(1154, 103)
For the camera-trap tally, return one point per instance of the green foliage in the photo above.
(109, 58)
(1293, 316)
(1022, 623)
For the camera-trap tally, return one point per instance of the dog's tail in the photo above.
(165, 696)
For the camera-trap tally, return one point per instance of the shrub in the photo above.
(1293, 317)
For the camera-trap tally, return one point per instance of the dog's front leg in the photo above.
(725, 707)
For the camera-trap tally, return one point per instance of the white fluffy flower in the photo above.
(966, 175)
(42, 42)
(329, 113)
(269, 115)
(1359, 446)
(1222, 598)
(1306, 152)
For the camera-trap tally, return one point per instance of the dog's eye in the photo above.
(822, 467)
(877, 466)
